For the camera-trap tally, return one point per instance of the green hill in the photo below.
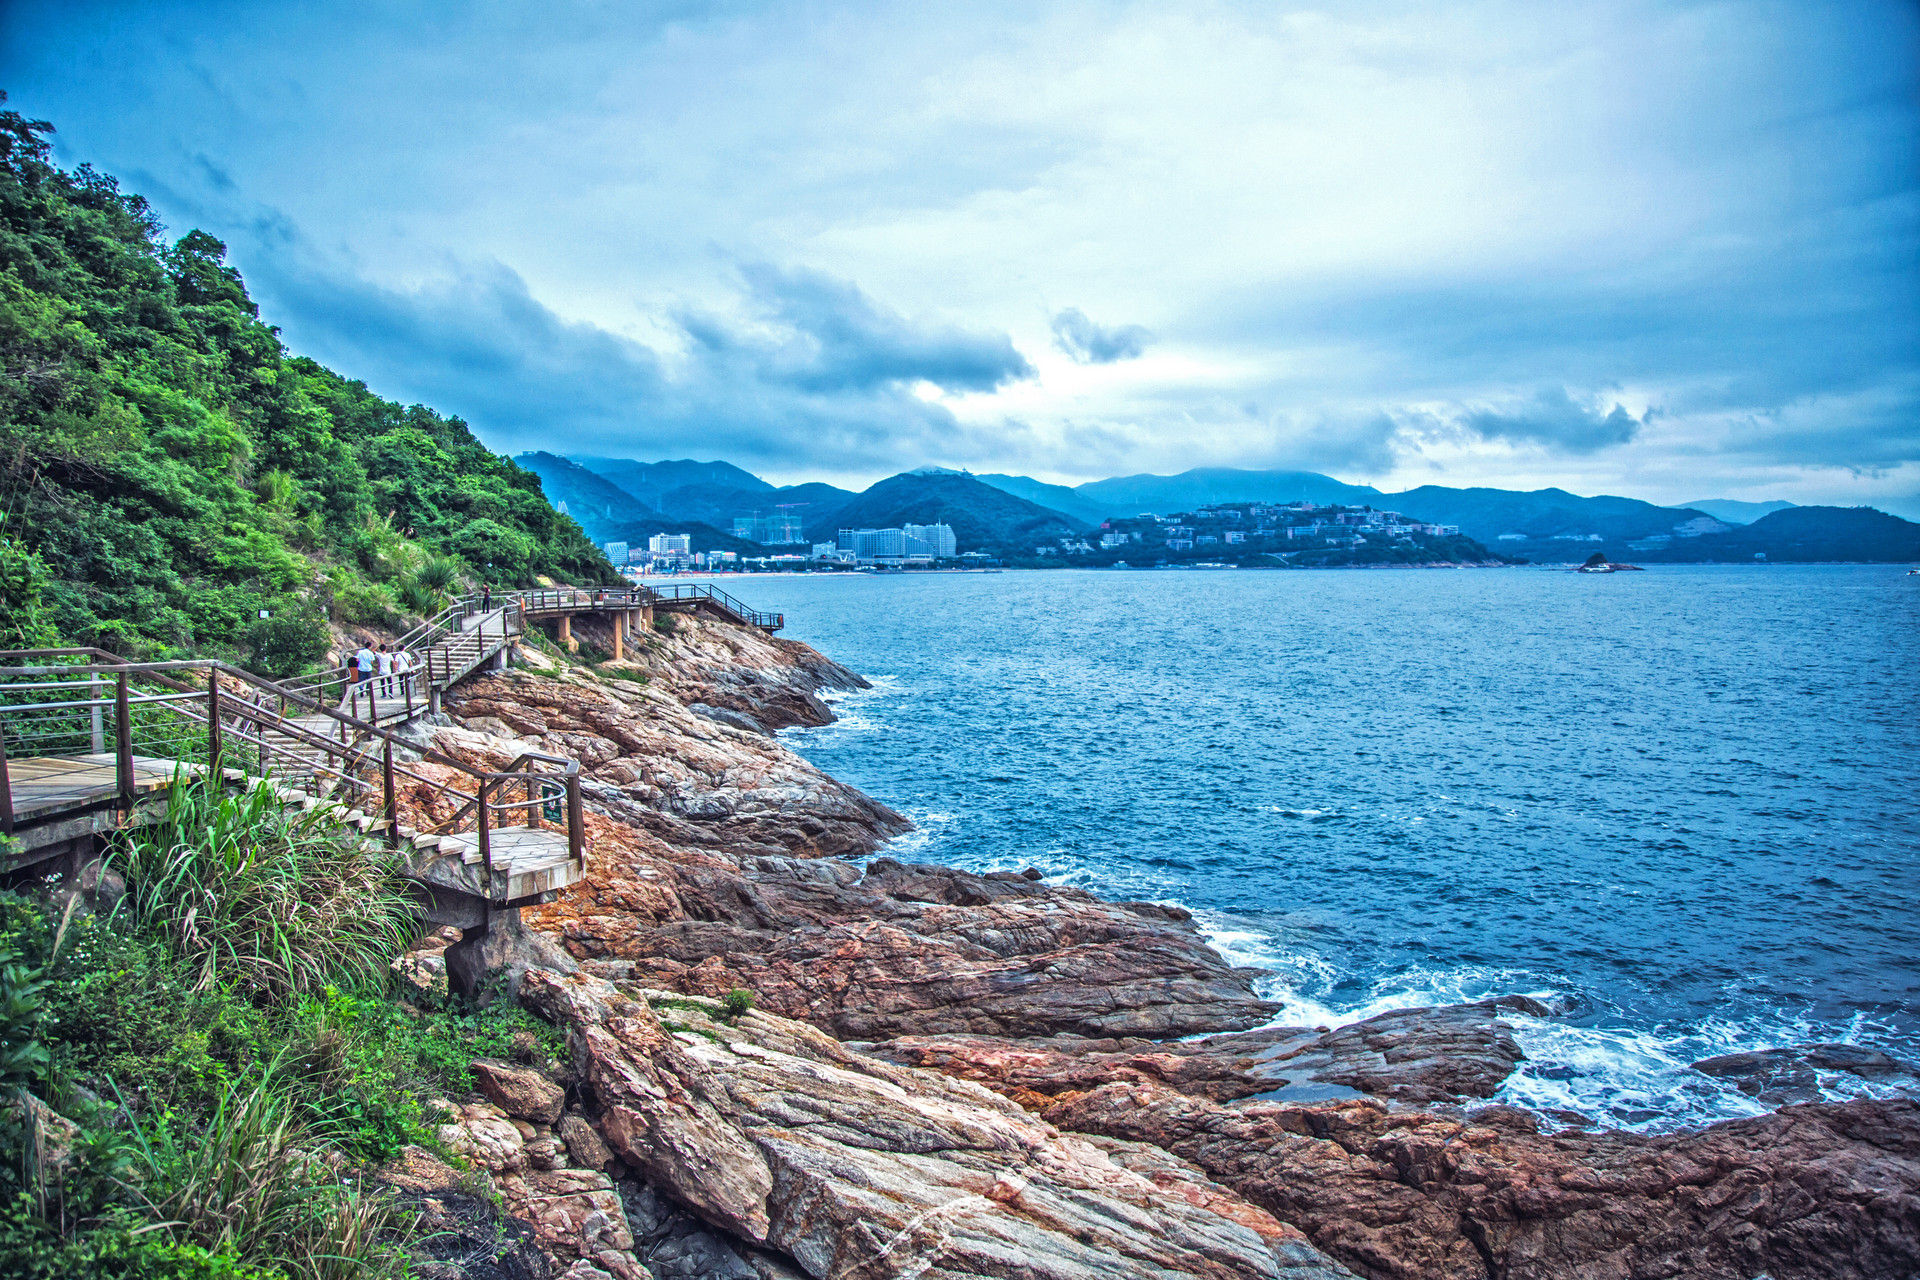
(983, 518)
(170, 470)
(610, 514)
(1802, 534)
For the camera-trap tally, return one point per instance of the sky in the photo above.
(1669, 250)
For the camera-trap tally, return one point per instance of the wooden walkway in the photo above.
(47, 785)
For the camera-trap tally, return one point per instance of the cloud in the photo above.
(1089, 343)
(828, 336)
(810, 371)
(1435, 212)
(1553, 418)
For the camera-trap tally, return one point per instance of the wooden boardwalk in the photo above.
(47, 785)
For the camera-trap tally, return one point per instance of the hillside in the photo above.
(1542, 515)
(1054, 497)
(713, 493)
(651, 482)
(1163, 495)
(983, 518)
(1733, 511)
(610, 514)
(171, 471)
(1803, 535)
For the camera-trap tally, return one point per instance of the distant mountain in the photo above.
(1541, 515)
(1801, 534)
(714, 493)
(813, 502)
(983, 517)
(610, 514)
(1163, 495)
(1054, 497)
(1733, 511)
(652, 482)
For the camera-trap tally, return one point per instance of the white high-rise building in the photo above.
(617, 552)
(937, 537)
(670, 544)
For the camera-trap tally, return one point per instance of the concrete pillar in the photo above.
(619, 620)
(566, 629)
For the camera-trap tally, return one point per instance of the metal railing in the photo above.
(217, 717)
(696, 593)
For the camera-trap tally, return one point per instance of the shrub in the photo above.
(438, 573)
(739, 1002)
(272, 900)
(666, 624)
(245, 1184)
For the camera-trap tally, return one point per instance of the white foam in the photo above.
(1616, 1076)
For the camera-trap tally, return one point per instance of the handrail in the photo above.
(696, 591)
(350, 753)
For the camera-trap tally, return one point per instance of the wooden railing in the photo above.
(199, 712)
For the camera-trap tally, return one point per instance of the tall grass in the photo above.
(246, 1184)
(270, 899)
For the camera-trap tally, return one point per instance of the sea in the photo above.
(1679, 804)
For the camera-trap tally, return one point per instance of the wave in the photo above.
(1616, 1076)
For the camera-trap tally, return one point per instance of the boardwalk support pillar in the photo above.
(493, 956)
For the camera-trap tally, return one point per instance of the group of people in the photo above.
(381, 671)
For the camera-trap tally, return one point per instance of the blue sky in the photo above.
(1669, 250)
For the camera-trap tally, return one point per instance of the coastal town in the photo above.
(1233, 534)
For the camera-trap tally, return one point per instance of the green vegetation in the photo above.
(224, 1061)
(168, 470)
(739, 1002)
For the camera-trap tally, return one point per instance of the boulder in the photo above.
(1781, 1076)
(520, 1092)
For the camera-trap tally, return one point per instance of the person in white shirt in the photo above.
(385, 661)
(403, 668)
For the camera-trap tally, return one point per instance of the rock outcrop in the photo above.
(1781, 1076)
(902, 949)
(1407, 1055)
(854, 1168)
(1828, 1191)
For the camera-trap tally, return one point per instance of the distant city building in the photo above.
(562, 508)
(938, 538)
(617, 552)
(914, 542)
(777, 530)
(670, 544)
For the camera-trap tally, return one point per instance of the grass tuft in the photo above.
(275, 901)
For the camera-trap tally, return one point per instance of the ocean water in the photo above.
(1680, 803)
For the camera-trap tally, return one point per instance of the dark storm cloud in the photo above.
(833, 338)
(816, 368)
(1089, 343)
(1555, 419)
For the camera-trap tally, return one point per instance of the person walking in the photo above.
(403, 668)
(362, 668)
(385, 668)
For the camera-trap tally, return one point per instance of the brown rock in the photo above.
(854, 1167)
(1408, 1055)
(575, 1214)
(903, 950)
(521, 1092)
(1816, 1191)
(584, 1146)
(482, 1133)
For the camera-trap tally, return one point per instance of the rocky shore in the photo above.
(944, 1074)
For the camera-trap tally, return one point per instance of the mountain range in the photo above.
(619, 498)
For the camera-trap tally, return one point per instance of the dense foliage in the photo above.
(213, 1089)
(168, 470)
